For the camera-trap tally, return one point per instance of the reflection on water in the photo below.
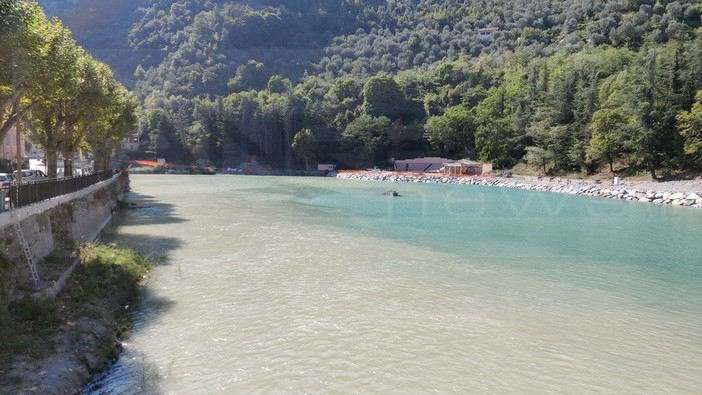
(325, 286)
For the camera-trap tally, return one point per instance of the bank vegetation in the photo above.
(77, 334)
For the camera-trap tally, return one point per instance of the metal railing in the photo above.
(36, 191)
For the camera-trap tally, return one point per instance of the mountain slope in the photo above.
(562, 85)
(201, 43)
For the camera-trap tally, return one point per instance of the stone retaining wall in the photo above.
(79, 216)
(689, 199)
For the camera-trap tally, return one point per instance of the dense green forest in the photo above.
(564, 86)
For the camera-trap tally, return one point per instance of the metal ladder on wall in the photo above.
(29, 258)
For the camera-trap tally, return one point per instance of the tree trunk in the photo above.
(243, 141)
(288, 133)
(105, 161)
(51, 146)
(51, 159)
(68, 151)
(651, 169)
(611, 165)
(16, 111)
(97, 161)
(67, 163)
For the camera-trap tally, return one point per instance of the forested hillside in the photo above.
(563, 85)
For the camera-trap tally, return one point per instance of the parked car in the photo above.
(30, 175)
(6, 181)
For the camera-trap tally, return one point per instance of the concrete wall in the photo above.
(79, 216)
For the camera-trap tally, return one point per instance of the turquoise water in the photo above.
(553, 236)
(276, 284)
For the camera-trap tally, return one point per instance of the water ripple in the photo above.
(274, 297)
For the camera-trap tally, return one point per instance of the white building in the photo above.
(326, 167)
(487, 33)
(466, 167)
(8, 151)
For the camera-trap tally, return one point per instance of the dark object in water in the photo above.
(132, 205)
(391, 192)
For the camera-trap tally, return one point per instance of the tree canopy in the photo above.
(51, 85)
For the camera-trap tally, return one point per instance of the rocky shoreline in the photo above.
(676, 193)
(80, 351)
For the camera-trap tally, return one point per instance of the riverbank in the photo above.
(56, 346)
(678, 193)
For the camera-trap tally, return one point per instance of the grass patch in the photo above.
(26, 328)
(106, 269)
(106, 283)
(107, 280)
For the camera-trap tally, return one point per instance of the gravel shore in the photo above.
(687, 186)
(679, 193)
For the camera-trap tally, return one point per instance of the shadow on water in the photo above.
(151, 211)
(147, 373)
(132, 363)
(132, 373)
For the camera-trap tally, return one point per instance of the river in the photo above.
(321, 285)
